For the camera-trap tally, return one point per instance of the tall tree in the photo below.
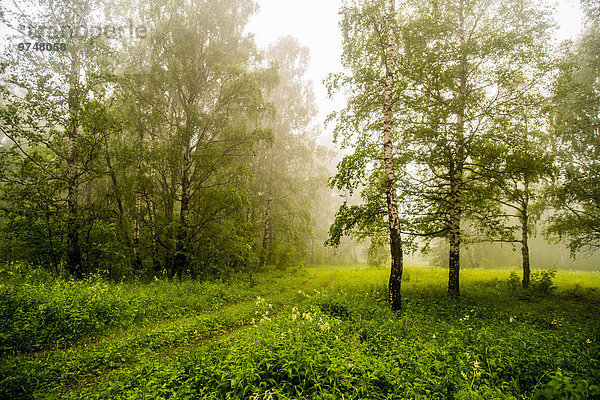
(576, 122)
(283, 169)
(206, 91)
(155, 158)
(521, 166)
(44, 86)
(368, 125)
(388, 161)
(466, 57)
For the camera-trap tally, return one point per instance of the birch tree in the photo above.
(51, 96)
(521, 168)
(368, 126)
(576, 122)
(285, 175)
(468, 56)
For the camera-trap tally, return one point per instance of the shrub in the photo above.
(542, 282)
(513, 282)
(564, 386)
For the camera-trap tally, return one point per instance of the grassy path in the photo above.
(86, 362)
(300, 341)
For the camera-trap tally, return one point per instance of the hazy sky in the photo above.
(314, 24)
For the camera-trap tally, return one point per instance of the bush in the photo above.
(579, 293)
(513, 282)
(541, 283)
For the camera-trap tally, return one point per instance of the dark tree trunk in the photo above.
(456, 178)
(170, 227)
(137, 258)
(525, 236)
(181, 249)
(266, 242)
(267, 232)
(390, 176)
(156, 265)
(74, 263)
(118, 195)
(454, 259)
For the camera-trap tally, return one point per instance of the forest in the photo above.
(179, 220)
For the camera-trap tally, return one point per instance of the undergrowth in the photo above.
(341, 341)
(39, 312)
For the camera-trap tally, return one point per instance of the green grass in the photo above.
(312, 338)
(38, 312)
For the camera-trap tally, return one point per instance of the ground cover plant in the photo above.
(23, 373)
(38, 312)
(330, 334)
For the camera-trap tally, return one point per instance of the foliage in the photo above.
(319, 341)
(575, 122)
(38, 311)
(378, 252)
(91, 356)
(563, 386)
(137, 155)
(451, 131)
(541, 284)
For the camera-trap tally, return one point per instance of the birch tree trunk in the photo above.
(457, 168)
(525, 234)
(181, 249)
(390, 177)
(73, 248)
(455, 232)
(156, 265)
(137, 259)
(267, 231)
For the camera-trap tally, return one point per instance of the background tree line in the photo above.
(189, 151)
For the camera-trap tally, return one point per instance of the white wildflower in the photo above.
(294, 313)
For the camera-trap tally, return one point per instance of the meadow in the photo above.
(317, 333)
